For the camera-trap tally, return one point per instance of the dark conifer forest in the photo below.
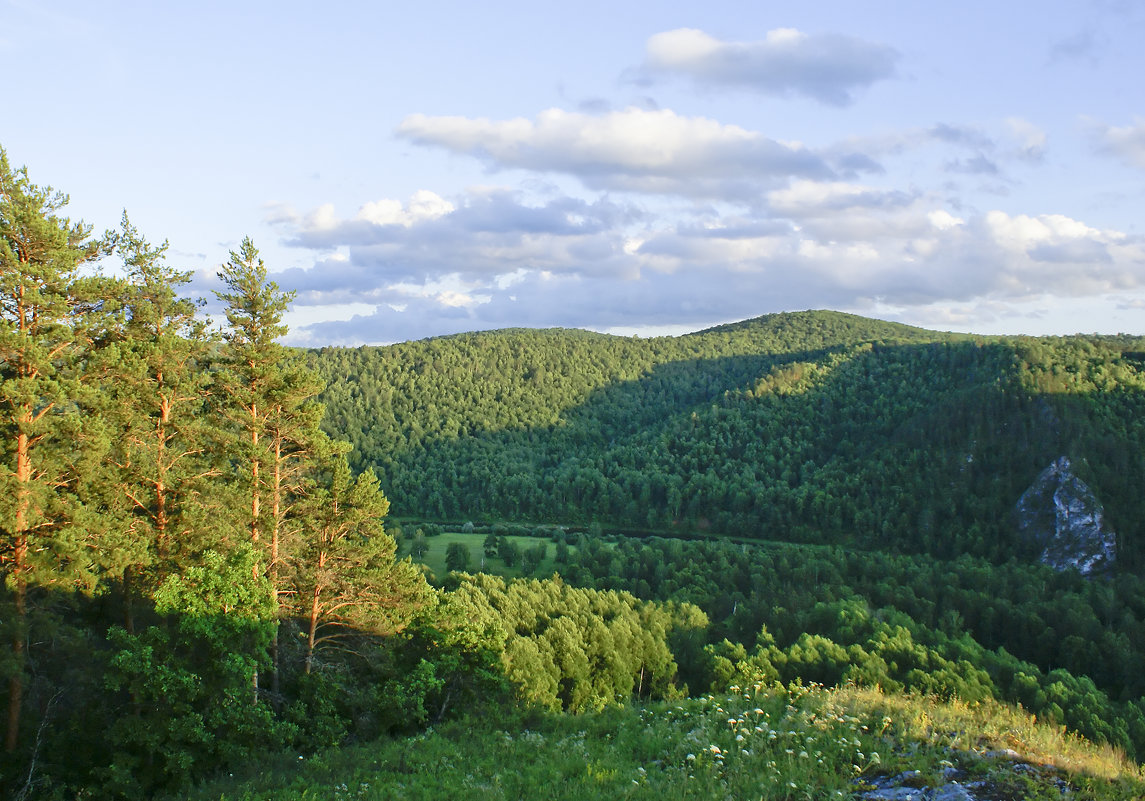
(206, 537)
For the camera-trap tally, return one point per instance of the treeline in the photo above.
(812, 427)
(193, 576)
(1065, 648)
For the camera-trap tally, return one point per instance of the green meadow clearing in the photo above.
(437, 546)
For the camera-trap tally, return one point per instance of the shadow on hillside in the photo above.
(917, 447)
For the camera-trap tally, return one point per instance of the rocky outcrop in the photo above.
(1000, 776)
(1062, 517)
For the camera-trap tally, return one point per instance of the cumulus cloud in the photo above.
(659, 152)
(1126, 143)
(827, 68)
(652, 151)
(1057, 253)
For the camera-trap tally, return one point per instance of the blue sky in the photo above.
(633, 167)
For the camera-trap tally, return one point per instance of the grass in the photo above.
(434, 557)
(773, 743)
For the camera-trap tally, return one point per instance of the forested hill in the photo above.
(810, 427)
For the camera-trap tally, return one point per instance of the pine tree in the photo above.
(272, 403)
(347, 582)
(155, 373)
(251, 371)
(46, 315)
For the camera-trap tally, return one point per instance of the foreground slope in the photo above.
(809, 427)
(798, 743)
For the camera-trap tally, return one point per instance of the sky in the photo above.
(413, 170)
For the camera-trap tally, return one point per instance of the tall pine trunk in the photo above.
(20, 588)
(275, 534)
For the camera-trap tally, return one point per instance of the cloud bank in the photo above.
(492, 258)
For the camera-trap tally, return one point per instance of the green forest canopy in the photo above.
(807, 427)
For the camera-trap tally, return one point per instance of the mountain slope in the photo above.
(811, 426)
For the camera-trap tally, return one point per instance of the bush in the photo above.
(457, 556)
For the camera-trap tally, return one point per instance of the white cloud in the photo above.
(827, 68)
(817, 199)
(1126, 142)
(838, 211)
(944, 220)
(1031, 139)
(322, 218)
(1023, 232)
(653, 151)
(424, 205)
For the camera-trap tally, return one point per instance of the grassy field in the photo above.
(800, 742)
(434, 557)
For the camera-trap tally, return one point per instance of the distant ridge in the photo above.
(862, 327)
